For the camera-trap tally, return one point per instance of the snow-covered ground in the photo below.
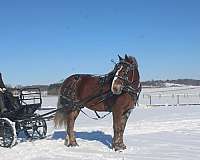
(157, 133)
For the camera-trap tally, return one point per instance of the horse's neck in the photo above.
(105, 81)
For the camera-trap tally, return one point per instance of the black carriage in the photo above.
(18, 114)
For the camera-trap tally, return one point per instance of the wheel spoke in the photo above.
(40, 126)
(40, 135)
(36, 129)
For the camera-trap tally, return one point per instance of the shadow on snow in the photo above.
(90, 136)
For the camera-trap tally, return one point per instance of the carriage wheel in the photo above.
(7, 133)
(38, 129)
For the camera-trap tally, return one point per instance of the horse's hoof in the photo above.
(119, 147)
(73, 144)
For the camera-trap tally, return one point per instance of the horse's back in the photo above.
(75, 81)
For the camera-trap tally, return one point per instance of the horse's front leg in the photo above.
(71, 141)
(118, 127)
(125, 117)
(119, 124)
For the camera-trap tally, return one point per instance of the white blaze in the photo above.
(114, 79)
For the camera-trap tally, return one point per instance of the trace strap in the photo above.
(94, 118)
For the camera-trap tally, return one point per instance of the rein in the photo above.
(102, 96)
(94, 118)
(78, 105)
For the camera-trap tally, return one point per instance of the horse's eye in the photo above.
(124, 71)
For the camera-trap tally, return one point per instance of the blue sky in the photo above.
(44, 41)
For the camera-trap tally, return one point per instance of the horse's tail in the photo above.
(60, 118)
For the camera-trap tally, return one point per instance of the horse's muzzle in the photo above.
(117, 89)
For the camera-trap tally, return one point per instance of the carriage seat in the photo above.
(8, 102)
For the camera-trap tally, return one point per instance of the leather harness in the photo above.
(68, 100)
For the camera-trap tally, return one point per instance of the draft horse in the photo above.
(116, 92)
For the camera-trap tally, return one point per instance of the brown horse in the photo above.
(116, 92)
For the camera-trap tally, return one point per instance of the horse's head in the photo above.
(126, 74)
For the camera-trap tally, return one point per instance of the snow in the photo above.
(170, 96)
(153, 133)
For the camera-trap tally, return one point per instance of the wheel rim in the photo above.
(7, 133)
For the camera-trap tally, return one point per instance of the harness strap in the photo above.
(80, 104)
(98, 116)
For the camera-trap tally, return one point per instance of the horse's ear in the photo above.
(120, 58)
(126, 57)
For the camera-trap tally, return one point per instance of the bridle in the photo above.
(131, 86)
(129, 67)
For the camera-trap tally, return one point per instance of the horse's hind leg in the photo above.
(71, 117)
